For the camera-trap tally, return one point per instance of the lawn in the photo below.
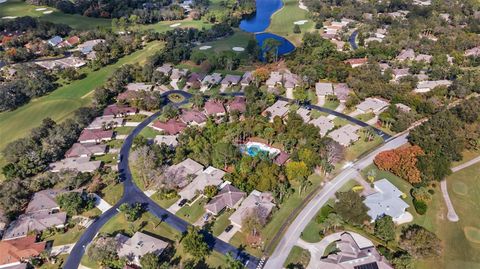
(238, 39)
(136, 118)
(59, 260)
(339, 122)
(149, 132)
(20, 8)
(164, 26)
(112, 193)
(193, 212)
(298, 258)
(221, 222)
(62, 103)
(365, 117)
(282, 22)
(110, 158)
(165, 203)
(361, 146)
(460, 250)
(331, 104)
(69, 237)
(123, 130)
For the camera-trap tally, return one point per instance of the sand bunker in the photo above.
(41, 9)
(302, 22)
(238, 49)
(205, 47)
(9, 17)
(48, 12)
(472, 234)
(460, 188)
(175, 25)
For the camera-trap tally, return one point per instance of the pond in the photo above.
(259, 22)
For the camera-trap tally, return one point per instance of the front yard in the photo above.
(193, 212)
(298, 258)
(112, 193)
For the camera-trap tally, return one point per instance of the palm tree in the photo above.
(271, 44)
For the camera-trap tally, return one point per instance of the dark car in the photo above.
(183, 202)
(229, 228)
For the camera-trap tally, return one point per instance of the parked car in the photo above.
(206, 216)
(229, 228)
(182, 202)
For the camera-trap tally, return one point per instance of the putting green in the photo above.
(472, 234)
(460, 188)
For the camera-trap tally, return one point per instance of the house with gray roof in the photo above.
(165, 69)
(323, 88)
(274, 80)
(323, 123)
(87, 46)
(291, 81)
(212, 79)
(210, 176)
(304, 113)
(424, 58)
(247, 78)
(230, 80)
(169, 140)
(342, 91)
(345, 135)
(54, 41)
(105, 122)
(254, 201)
(193, 117)
(426, 86)
(400, 73)
(228, 197)
(178, 74)
(280, 109)
(372, 105)
(80, 164)
(139, 87)
(386, 201)
(133, 248)
(86, 150)
(44, 201)
(406, 55)
(180, 173)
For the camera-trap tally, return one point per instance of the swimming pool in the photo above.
(255, 149)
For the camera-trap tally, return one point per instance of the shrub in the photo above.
(420, 206)
(324, 212)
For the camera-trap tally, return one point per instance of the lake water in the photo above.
(259, 22)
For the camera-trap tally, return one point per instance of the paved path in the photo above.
(63, 249)
(132, 194)
(101, 204)
(293, 232)
(452, 215)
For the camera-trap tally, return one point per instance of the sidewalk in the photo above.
(63, 249)
(101, 204)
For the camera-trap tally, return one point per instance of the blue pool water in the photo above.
(254, 151)
(260, 20)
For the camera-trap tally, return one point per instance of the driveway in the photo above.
(101, 204)
(63, 249)
(175, 207)
(226, 236)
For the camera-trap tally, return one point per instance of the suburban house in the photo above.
(281, 158)
(323, 123)
(71, 41)
(212, 79)
(133, 248)
(356, 62)
(15, 251)
(386, 201)
(345, 135)
(86, 150)
(253, 201)
(274, 80)
(193, 117)
(105, 122)
(117, 110)
(171, 127)
(406, 55)
(426, 86)
(342, 91)
(403, 107)
(290, 81)
(87, 46)
(323, 89)
(372, 105)
(181, 171)
(95, 136)
(354, 253)
(42, 213)
(229, 196)
(210, 176)
(280, 109)
(73, 62)
(400, 73)
(304, 113)
(54, 41)
(424, 58)
(246, 79)
(80, 164)
(230, 80)
(165, 69)
(214, 108)
(237, 104)
(178, 74)
(139, 87)
(169, 140)
(195, 80)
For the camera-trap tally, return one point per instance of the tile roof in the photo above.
(228, 196)
(98, 135)
(193, 116)
(213, 107)
(210, 176)
(19, 249)
(34, 222)
(44, 201)
(171, 127)
(386, 201)
(80, 164)
(254, 199)
(118, 110)
(139, 244)
(85, 150)
(238, 103)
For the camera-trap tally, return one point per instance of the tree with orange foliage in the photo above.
(401, 162)
(260, 75)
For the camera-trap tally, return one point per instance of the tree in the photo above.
(351, 208)
(150, 261)
(210, 191)
(194, 243)
(401, 162)
(333, 221)
(224, 154)
(232, 263)
(298, 171)
(145, 162)
(104, 252)
(255, 220)
(385, 228)
(420, 242)
(260, 75)
(170, 111)
(132, 212)
(74, 203)
(296, 29)
(270, 49)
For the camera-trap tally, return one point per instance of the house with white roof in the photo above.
(254, 200)
(105, 122)
(210, 176)
(180, 172)
(133, 248)
(386, 201)
(169, 140)
(345, 135)
(280, 109)
(323, 89)
(372, 105)
(324, 124)
(304, 113)
(274, 80)
(426, 86)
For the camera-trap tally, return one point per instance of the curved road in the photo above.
(351, 40)
(289, 239)
(132, 194)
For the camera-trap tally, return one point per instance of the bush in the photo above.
(420, 206)
(324, 212)
(296, 29)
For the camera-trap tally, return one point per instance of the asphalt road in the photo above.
(351, 40)
(293, 232)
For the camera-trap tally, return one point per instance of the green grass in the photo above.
(458, 252)
(109, 158)
(68, 237)
(339, 122)
(165, 203)
(297, 258)
(92, 213)
(112, 193)
(283, 19)
(330, 248)
(221, 222)
(365, 117)
(20, 8)
(331, 104)
(361, 146)
(193, 212)
(164, 26)
(315, 114)
(59, 260)
(238, 39)
(124, 130)
(115, 144)
(61, 104)
(349, 185)
(149, 132)
(136, 118)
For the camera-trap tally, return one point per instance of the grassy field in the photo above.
(164, 26)
(71, 236)
(112, 193)
(298, 258)
(165, 203)
(61, 103)
(238, 39)
(149, 132)
(221, 222)
(193, 212)
(283, 19)
(18, 8)
(361, 146)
